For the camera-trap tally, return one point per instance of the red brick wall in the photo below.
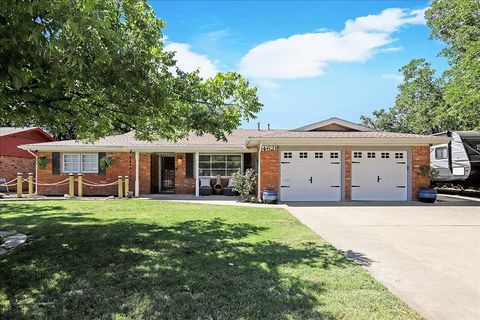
(420, 156)
(183, 185)
(123, 165)
(348, 173)
(269, 170)
(10, 166)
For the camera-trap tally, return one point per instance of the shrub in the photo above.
(427, 171)
(244, 182)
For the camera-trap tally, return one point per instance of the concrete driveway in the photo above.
(428, 255)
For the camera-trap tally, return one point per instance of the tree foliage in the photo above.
(427, 104)
(96, 67)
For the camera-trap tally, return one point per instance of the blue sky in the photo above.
(311, 60)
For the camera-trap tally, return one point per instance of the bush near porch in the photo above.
(143, 259)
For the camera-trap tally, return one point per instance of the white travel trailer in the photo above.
(457, 162)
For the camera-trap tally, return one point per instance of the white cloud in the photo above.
(392, 76)
(189, 61)
(307, 55)
(391, 49)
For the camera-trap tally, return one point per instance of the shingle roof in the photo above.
(237, 140)
(337, 134)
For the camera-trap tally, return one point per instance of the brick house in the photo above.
(14, 160)
(331, 160)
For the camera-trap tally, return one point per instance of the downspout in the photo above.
(259, 168)
(36, 170)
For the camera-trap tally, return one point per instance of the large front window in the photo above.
(212, 165)
(75, 162)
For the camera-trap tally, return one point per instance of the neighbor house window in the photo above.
(76, 162)
(441, 153)
(212, 165)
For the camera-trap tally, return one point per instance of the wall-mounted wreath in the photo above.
(106, 162)
(42, 163)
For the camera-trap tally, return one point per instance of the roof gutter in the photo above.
(146, 149)
(357, 141)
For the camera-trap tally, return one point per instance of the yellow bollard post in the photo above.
(80, 185)
(120, 187)
(30, 185)
(71, 185)
(126, 186)
(19, 184)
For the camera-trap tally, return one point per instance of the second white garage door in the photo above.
(310, 176)
(379, 175)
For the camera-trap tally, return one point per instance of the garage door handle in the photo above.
(378, 178)
(334, 186)
(355, 161)
(355, 186)
(311, 179)
(403, 187)
(283, 162)
(334, 162)
(285, 186)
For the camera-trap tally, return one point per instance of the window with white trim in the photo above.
(398, 155)
(333, 155)
(303, 155)
(371, 155)
(77, 162)
(318, 155)
(385, 155)
(287, 155)
(357, 155)
(212, 165)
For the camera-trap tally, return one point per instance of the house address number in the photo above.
(269, 148)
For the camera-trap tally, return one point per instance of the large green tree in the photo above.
(427, 104)
(100, 66)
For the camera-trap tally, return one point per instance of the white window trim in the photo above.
(220, 154)
(80, 156)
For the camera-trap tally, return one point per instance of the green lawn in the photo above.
(141, 259)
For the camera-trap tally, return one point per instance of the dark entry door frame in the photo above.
(166, 174)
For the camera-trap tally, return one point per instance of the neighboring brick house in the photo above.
(331, 160)
(14, 160)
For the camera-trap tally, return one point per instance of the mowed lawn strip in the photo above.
(143, 259)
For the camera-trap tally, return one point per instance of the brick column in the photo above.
(183, 185)
(269, 170)
(420, 156)
(348, 173)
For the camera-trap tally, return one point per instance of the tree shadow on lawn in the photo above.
(79, 268)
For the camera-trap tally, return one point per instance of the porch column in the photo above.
(197, 180)
(137, 174)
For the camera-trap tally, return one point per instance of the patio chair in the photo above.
(228, 190)
(205, 187)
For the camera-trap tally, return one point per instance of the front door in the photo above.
(167, 174)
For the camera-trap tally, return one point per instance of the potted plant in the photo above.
(244, 183)
(106, 162)
(427, 194)
(42, 163)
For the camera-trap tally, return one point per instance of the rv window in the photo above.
(441, 153)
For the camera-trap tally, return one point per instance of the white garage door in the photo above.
(379, 175)
(310, 176)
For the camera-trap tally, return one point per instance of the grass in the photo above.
(141, 259)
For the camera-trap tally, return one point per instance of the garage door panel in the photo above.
(311, 176)
(379, 175)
